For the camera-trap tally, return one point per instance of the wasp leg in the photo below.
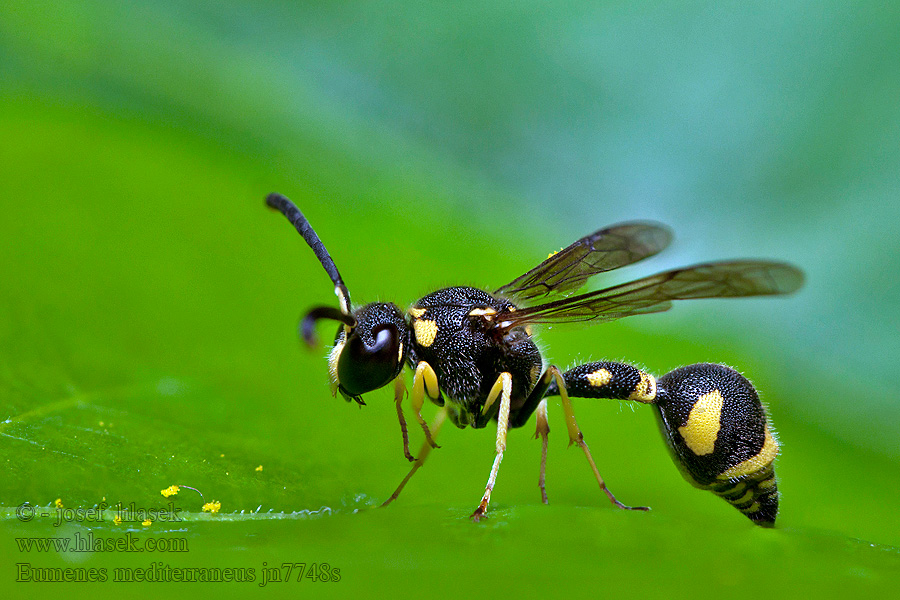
(575, 435)
(423, 454)
(543, 430)
(424, 381)
(535, 403)
(503, 388)
(399, 394)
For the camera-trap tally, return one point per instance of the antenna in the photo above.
(293, 214)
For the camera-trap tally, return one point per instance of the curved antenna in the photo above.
(308, 324)
(293, 214)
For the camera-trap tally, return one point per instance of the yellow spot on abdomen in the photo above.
(750, 509)
(703, 424)
(426, 331)
(767, 484)
(765, 456)
(599, 378)
(745, 498)
(645, 390)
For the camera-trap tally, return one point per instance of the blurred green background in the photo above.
(148, 300)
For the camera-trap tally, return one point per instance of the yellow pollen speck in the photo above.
(702, 427)
(426, 331)
(554, 253)
(170, 491)
(117, 520)
(212, 507)
(222, 455)
(58, 503)
(259, 468)
(147, 523)
(599, 378)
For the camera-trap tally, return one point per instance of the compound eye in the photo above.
(365, 367)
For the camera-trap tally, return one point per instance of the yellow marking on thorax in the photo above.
(482, 312)
(599, 378)
(416, 312)
(645, 390)
(756, 463)
(425, 331)
(703, 424)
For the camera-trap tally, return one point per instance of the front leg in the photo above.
(399, 394)
(423, 453)
(424, 382)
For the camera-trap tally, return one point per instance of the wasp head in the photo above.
(369, 350)
(372, 343)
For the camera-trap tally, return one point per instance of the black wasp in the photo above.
(473, 353)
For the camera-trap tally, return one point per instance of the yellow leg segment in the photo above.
(424, 381)
(505, 381)
(576, 437)
(543, 431)
(493, 395)
(423, 454)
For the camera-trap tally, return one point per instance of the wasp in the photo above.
(473, 353)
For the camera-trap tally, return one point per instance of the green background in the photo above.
(149, 301)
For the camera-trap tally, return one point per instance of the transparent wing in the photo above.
(731, 279)
(567, 270)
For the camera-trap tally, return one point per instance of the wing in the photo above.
(567, 270)
(655, 293)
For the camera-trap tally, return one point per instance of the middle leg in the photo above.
(503, 388)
